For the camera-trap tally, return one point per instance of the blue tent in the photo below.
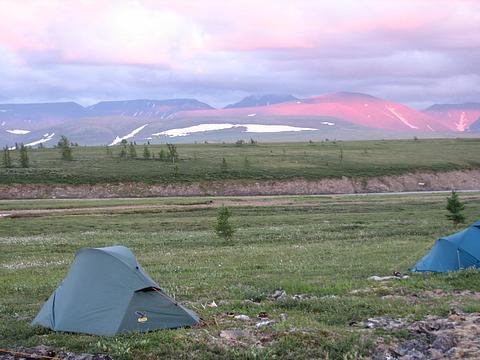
(106, 292)
(454, 252)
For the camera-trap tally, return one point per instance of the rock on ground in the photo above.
(37, 352)
(454, 337)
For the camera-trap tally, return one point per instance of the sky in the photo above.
(418, 52)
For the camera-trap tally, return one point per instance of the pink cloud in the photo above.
(242, 45)
(160, 32)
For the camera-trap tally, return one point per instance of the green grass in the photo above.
(324, 246)
(200, 162)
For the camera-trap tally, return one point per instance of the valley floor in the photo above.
(303, 260)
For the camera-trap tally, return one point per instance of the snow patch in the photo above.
(462, 124)
(251, 128)
(252, 115)
(128, 136)
(401, 118)
(327, 123)
(42, 140)
(194, 129)
(18, 132)
(3, 123)
(257, 128)
(3, 110)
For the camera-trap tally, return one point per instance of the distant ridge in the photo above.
(273, 116)
(145, 108)
(261, 100)
(32, 110)
(456, 117)
(475, 126)
(446, 107)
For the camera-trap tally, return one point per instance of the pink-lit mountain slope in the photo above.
(360, 109)
(455, 117)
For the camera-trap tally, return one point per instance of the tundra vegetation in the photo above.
(322, 249)
(250, 161)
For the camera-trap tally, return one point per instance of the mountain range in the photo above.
(341, 115)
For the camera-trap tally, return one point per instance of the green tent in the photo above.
(107, 292)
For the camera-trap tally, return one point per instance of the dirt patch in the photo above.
(119, 209)
(460, 180)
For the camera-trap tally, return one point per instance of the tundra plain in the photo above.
(319, 250)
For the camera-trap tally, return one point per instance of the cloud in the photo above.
(88, 50)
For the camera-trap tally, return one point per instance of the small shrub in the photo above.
(132, 151)
(24, 161)
(224, 165)
(223, 228)
(172, 152)
(455, 208)
(246, 163)
(7, 161)
(65, 147)
(161, 155)
(146, 153)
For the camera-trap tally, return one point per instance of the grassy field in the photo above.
(260, 161)
(324, 247)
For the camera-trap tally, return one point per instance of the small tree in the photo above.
(455, 208)
(223, 228)
(161, 155)
(172, 152)
(7, 161)
(108, 151)
(224, 165)
(24, 161)
(123, 151)
(65, 148)
(246, 162)
(132, 151)
(146, 152)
